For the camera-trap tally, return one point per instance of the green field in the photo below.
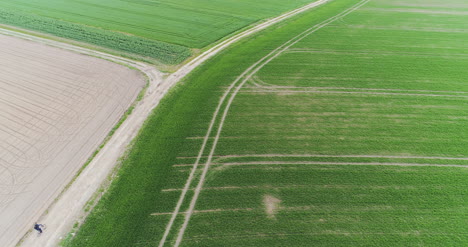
(163, 29)
(345, 126)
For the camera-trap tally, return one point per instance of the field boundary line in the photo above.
(248, 74)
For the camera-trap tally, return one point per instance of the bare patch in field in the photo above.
(271, 204)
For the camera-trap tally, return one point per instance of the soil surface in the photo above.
(271, 204)
(56, 108)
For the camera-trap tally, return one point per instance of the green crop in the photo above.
(163, 52)
(162, 30)
(356, 135)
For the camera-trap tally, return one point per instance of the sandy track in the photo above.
(67, 209)
(56, 107)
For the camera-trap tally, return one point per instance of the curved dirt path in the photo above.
(67, 209)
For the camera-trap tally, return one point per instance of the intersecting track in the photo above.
(63, 213)
(231, 92)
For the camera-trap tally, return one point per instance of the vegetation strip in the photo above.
(163, 52)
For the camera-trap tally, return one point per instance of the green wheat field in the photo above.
(162, 30)
(344, 126)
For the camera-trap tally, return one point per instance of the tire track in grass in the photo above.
(343, 156)
(198, 61)
(348, 92)
(243, 78)
(260, 86)
(327, 156)
(220, 158)
(285, 162)
(334, 163)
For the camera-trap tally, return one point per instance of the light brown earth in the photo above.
(271, 204)
(56, 108)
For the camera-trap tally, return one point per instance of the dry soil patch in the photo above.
(271, 204)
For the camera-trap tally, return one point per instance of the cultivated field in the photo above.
(56, 108)
(158, 29)
(345, 126)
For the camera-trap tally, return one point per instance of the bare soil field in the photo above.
(56, 107)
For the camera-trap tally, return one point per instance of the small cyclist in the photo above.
(38, 227)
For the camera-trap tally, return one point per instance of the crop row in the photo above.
(189, 23)
(161, 51)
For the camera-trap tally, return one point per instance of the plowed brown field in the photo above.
(56, 107)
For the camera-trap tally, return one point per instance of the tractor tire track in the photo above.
(243, 78)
